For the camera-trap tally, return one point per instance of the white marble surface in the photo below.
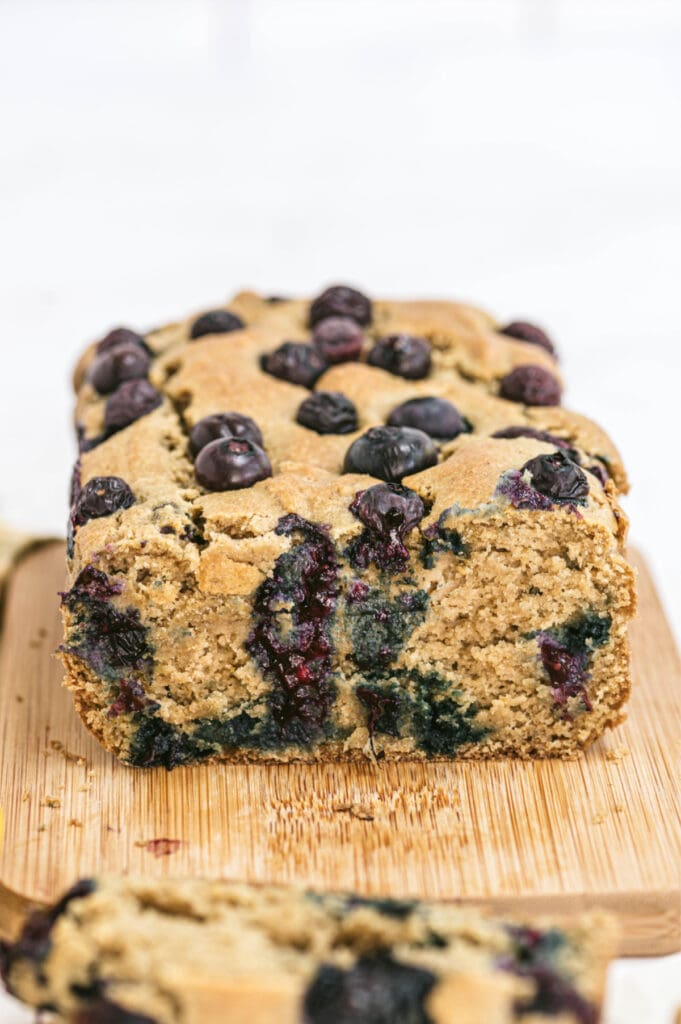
(526, 155)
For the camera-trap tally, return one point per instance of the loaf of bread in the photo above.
(133, 951)
(341, 530)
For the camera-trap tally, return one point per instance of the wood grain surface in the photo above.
(544, 837)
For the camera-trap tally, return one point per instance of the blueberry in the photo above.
(557, 477)
(340, 300)
(101, 496)
(295, 361)
(230, 463)
(338, 338)
(375, 990)
(523, 331)
(388, 508)
(111, 367)
(390, 453)
(434, 416)
(532, 385)
(405, 355)
(328, 412)
(131, 400)
(217, 321)
(121, 336)
(223, 424)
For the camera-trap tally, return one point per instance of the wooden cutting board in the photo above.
(554, 837)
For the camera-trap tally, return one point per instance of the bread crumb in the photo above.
(75, 822)
(363, 811)
(50, 801)
(599, 818)
(617, 754)
(77, 759)
(42, 828)
(26, 795)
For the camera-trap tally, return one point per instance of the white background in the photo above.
(156, 155)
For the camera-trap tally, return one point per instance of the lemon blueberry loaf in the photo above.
(133, 951)
(341, 529)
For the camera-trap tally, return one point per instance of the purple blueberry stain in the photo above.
(131, 698)
(290, 639)
(438, 539)
(567, 672)
(108, 638)
(533, 957)
(565, 653)
(383, 711)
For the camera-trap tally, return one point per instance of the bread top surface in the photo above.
(222, 372)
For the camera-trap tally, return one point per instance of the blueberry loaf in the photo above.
(337, 530)
(127, 951)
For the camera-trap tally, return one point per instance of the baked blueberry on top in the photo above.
(328, 412)
(402, 354)
(353, 529)
(338, 338)
(434, 416)
(223, 424)
(296, 362)
(524, 331)
(230, 463)
(341, 300)
(390, 453)
(532, 385)
(217, 321)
